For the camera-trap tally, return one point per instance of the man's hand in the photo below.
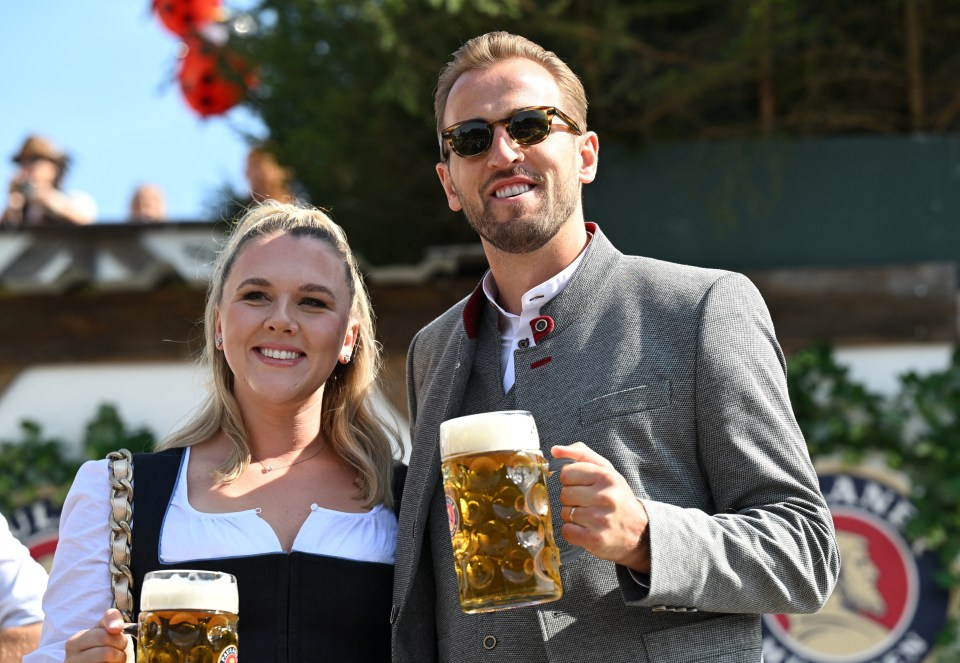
(600, 511)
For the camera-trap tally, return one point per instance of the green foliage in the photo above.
(106, 433)
(837, 415)
(34, 467)
(39, 467)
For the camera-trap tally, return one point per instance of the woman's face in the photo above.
(284, 317)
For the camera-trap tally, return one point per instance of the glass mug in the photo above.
(494, 478)
(188, 616)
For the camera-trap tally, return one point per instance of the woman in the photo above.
(283, 478)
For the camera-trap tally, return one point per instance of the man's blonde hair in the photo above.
(494, 47)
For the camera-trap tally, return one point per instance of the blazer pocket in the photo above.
(729, 638)
(628, 401)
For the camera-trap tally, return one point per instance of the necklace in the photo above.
(266, 468)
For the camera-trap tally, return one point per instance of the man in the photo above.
(693, 492)
(22, 583)
(35, 196)
(147, 205)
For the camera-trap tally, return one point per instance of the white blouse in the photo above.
(79, 591)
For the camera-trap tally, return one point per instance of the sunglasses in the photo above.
(527, 126)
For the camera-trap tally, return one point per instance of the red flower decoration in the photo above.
(184, 17)
(213, 80)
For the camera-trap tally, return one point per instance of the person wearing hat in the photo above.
(35, 196)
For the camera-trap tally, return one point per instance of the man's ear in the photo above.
(446, 181)
(589, 157)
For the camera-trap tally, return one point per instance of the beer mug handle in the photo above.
(573, 552)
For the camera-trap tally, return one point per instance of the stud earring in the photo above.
(219, 341)
(345, 359)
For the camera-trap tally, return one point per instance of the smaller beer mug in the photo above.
(494, 478)
(188, 616)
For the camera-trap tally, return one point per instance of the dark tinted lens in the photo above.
(471, 138)
(529, 126)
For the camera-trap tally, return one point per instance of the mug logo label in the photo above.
(453, 515)
(228, 655)
(887, 605)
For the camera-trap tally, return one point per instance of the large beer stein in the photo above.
(494, 478)
(188, 616)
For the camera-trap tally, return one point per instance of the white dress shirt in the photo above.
(515, 330)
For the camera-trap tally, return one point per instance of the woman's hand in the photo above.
(104, 643)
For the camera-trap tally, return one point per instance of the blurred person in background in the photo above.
(22, 584)
(268, 180)
(35, 196)
(147, 205)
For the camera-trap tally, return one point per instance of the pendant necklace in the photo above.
(266, 468)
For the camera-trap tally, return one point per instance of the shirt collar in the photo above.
(534, 298)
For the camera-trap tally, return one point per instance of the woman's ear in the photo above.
(349, 343)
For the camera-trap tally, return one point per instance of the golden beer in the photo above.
(494, 477)
(188, 616)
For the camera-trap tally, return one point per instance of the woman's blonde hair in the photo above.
(349, 423)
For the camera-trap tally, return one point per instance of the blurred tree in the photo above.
(346, 85)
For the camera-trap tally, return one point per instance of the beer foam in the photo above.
(489, 431)
(184, 591)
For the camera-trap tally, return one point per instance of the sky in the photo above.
(97, 77)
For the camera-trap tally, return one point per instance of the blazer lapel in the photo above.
(439, 399)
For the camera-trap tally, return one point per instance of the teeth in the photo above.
(278, 354)
(513, 190)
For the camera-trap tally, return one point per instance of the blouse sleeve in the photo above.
(79, 590)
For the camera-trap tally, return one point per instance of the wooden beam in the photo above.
(86, 327)
(862, 305)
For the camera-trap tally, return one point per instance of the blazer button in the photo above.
(489, 642)
(540, 325)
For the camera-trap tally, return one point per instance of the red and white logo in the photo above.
(453, 515)
(228, 655)
(887, 605)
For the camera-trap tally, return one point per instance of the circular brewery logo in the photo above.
(887, 605)
(229, 655)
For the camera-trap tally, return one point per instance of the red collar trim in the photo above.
(472, 312)
(474, 307)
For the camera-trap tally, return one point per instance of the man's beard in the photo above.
(525, 232)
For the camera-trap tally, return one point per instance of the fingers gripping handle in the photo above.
(571, 552)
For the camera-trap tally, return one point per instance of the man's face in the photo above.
(39, 171)
(516, 197)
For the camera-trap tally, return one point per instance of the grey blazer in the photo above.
(674, 374)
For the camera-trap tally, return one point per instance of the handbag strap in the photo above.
(121, 514)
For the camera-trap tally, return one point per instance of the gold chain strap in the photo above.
(121, 513)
